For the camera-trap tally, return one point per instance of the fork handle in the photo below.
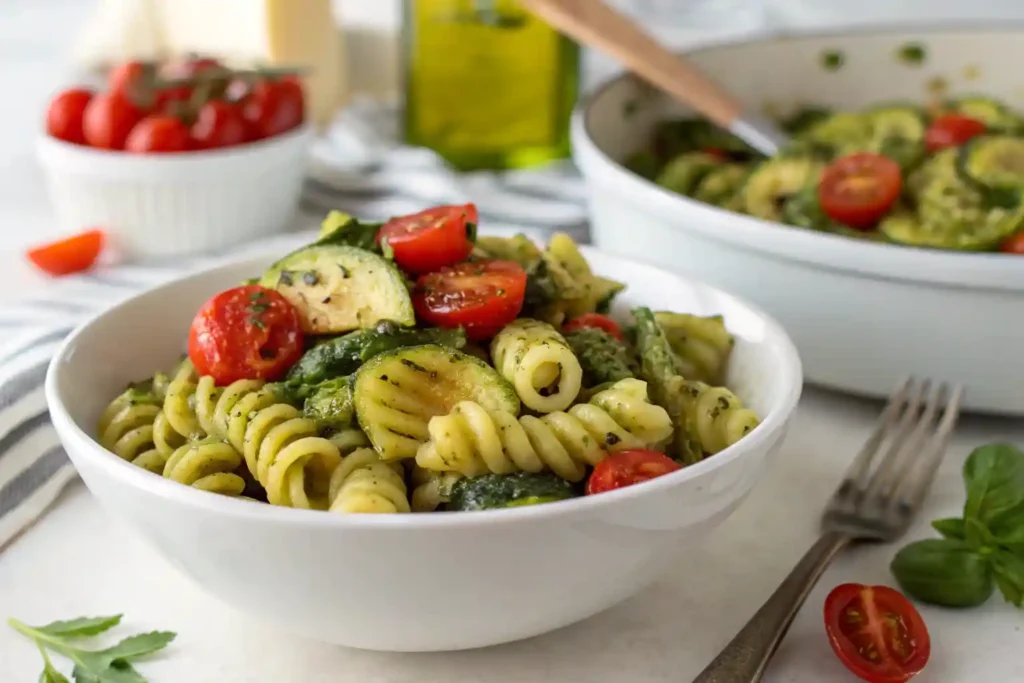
(746, 657)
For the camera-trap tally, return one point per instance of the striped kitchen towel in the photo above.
(357, 168)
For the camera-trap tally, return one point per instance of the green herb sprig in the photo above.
(108, 665)
(979, 551)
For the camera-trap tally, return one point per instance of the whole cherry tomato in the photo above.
(65, 115)
(274, 107)
(219, 124)
(158, 133)
(107, 120)
(1013, 244)
(951, 130)
(249, 332)
(123, 77)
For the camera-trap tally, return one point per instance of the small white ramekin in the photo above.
(170, 204)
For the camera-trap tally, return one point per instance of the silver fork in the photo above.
(874, 502)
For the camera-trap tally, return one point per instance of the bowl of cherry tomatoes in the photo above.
(177, 157)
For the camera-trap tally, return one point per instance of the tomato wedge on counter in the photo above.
(857, 190)
(951, 130)
(69, 255)
(481, 296)
(601, 322)
(626, 468)
(430, 239)
(247, 332)
(876, 632)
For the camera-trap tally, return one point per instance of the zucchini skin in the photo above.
(343, 355)
(496, 491)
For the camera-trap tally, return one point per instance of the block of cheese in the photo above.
(302, 33)
(268, 32)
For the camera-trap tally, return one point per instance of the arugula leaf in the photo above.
(109, 665)
(950, 527)
(82, 627)
(994, 476)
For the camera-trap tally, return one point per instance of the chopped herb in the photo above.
(832, 60)
(912, 54)
(345, 274)
(325, 300)
(611, 439)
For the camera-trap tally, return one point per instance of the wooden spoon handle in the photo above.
(596, 24)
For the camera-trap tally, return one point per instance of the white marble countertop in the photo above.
(78, 561)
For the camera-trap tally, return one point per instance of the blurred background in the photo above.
(47, 44)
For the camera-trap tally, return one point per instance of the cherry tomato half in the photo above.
(1013, 244)
(430, 239)
(482, 297)
(626, 468)
(219, 124)
(951, 130)
(69, 255)
(601, 322)
(248, 332)
(108, 119)
(65, 114)
(274, 107)
(859, 189)
(876, 632)
(157, 134)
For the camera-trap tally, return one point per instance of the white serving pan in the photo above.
(861, 314)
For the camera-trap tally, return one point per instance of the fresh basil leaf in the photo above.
(950, 527)
(943, 571)
(83, 627)
(977, 535)
(1009, 575)
(138, 645)
(994, 476)
(51, 675)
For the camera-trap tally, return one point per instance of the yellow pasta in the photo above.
(363, 483)
(702, 344)
(430, 489)
(208, 464)
(715, 418)
(126, 428)
(539, 363)
(473, 441)
(179, 405)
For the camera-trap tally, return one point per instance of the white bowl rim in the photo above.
(156, 485)
(951, 268)
(47, 142)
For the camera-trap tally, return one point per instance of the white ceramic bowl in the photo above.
(442, 581)
(164, 205)
(861, 314)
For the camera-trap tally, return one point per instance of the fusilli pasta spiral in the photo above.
(282, 449)
(539, 363)
(715, 417)
(208, 464)
(430, 489)
(702, 344)
(364, 483)
(179, 405)
(473, 441)
(126, 429)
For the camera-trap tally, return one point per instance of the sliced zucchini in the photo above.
(966, 231)
(841, 133)
(495, 491)
(330, 404)
(898, 133)
(684, 172)
(774, 182)
(397, 392)
(339, 288)
(803, 119)
(518, 248)
(343, 355)
(995, 165)
(721, 183)
(996, 116)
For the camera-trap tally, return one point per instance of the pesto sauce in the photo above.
(603, 358)
(832, 60)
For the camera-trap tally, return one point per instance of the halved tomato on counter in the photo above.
(876, 632)
(481, 296)
(430, 239)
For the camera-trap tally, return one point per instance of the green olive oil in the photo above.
(487, 85)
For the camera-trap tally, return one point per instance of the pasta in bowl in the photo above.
(290, 444)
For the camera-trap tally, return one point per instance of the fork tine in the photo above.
(860, 468)
(883, 478)
(916, 446)
(920, 485)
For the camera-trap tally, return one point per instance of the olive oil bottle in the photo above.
(487, 85)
